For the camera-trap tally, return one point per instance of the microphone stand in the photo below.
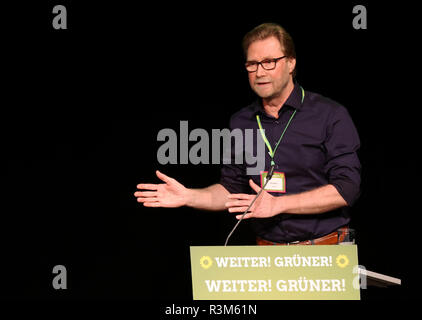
(269, 176)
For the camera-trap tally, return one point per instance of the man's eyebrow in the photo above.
(265, 58)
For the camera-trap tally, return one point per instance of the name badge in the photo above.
(277, 182)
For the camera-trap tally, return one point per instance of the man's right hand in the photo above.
(170, 194)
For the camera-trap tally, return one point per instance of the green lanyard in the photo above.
(271, 151)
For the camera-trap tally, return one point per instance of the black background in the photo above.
(81, 109)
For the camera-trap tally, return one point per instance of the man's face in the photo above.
(269, 83)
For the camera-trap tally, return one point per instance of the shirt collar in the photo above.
(294, 100)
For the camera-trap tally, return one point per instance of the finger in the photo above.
(147, 186)
(238, 209)
(238, 203)
(254, 186)
(246, 216)
(240, 196)
(152, 204)
(145, 194)
(162, 176)
(143, 199)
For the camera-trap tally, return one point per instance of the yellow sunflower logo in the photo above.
(205, 262)
(342, 261)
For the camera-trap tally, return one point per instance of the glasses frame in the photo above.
(257, 63)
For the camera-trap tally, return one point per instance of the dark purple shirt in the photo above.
(318, 148)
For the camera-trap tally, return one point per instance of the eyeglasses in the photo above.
(267, 64)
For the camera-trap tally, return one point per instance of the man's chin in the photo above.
(266, 95)
(263, 94)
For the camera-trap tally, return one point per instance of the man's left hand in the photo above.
(263, 207)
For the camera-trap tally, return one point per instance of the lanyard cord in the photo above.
(261, 130)
(271, 151)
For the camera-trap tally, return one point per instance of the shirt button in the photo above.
(276, 121)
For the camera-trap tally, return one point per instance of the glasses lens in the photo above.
(268, 64)
(251, 67)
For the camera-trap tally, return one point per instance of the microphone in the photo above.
(268, 178)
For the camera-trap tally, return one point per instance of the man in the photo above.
(312, 143)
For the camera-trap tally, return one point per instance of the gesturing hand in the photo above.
(170, 194)
(263, 207)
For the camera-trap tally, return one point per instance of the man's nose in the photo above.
(260, 71)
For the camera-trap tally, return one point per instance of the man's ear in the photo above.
(291, 62)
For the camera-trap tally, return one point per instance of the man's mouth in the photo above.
(262, 83)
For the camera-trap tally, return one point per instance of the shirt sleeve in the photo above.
(342, 164)
(233, 176)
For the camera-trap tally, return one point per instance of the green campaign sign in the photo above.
(275, 273)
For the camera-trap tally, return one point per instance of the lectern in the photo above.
(329, 272)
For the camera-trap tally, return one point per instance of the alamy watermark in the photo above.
(60, 280)
(242, 147)
(359, 21)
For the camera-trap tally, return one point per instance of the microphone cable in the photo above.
(268, 178)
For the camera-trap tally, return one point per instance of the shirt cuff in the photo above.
(348, 190)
